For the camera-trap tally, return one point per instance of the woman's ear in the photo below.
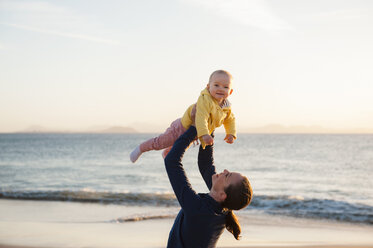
(222, 196)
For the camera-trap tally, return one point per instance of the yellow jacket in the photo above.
(209, 116)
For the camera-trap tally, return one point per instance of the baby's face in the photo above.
(220, 86)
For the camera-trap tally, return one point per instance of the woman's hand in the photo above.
(208, 139)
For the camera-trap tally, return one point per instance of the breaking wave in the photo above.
(295, 206)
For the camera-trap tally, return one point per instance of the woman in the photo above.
(202, 217)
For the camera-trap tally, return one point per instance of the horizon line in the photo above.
(265, 129)
(245, 132)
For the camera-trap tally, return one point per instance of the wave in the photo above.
(143, 217)
(278, 205)
(152, 199)
(314, 208)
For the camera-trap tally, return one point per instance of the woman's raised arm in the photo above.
(187, 197)
(206, 164)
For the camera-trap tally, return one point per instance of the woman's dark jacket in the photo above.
(201, 219)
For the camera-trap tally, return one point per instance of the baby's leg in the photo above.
(168, 149)
(164, 140)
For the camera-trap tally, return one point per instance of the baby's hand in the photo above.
(229, 138)
(208, 139)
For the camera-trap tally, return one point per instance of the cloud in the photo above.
(69, 35)
(341, 14)
(254, 13)
(32, 6)
(51, 19)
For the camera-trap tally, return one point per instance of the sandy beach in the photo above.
(64, 225)
(317, 246)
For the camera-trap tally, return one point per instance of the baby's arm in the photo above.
(229, 138)
(206, 138)
(202, 116)
(230, 128)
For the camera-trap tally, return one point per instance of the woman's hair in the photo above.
(238, 196)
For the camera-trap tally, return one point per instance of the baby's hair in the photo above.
(221, 72)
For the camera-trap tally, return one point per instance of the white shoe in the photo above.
(135, 154)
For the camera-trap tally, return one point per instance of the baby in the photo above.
(213, 110)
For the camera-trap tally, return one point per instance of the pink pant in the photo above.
(164, 140)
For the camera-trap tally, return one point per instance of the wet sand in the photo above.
(42, 224)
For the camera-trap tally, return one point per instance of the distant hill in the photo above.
(40, 129)
(118, 129)
(114, 129)
(277, 128)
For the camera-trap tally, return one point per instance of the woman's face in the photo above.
(224, 179)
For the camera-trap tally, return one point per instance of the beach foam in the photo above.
(295, 206)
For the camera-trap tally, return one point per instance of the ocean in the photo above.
(326, 176)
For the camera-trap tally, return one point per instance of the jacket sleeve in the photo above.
(187, 197)
(206, 164)
(230, 124)
(202, 116)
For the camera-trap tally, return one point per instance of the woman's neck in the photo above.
(216, 196)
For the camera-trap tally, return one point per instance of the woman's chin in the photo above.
(213, 177)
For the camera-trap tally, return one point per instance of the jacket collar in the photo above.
(216, 206)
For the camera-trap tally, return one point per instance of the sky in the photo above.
(80, 64)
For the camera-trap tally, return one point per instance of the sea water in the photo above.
(326, 176)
